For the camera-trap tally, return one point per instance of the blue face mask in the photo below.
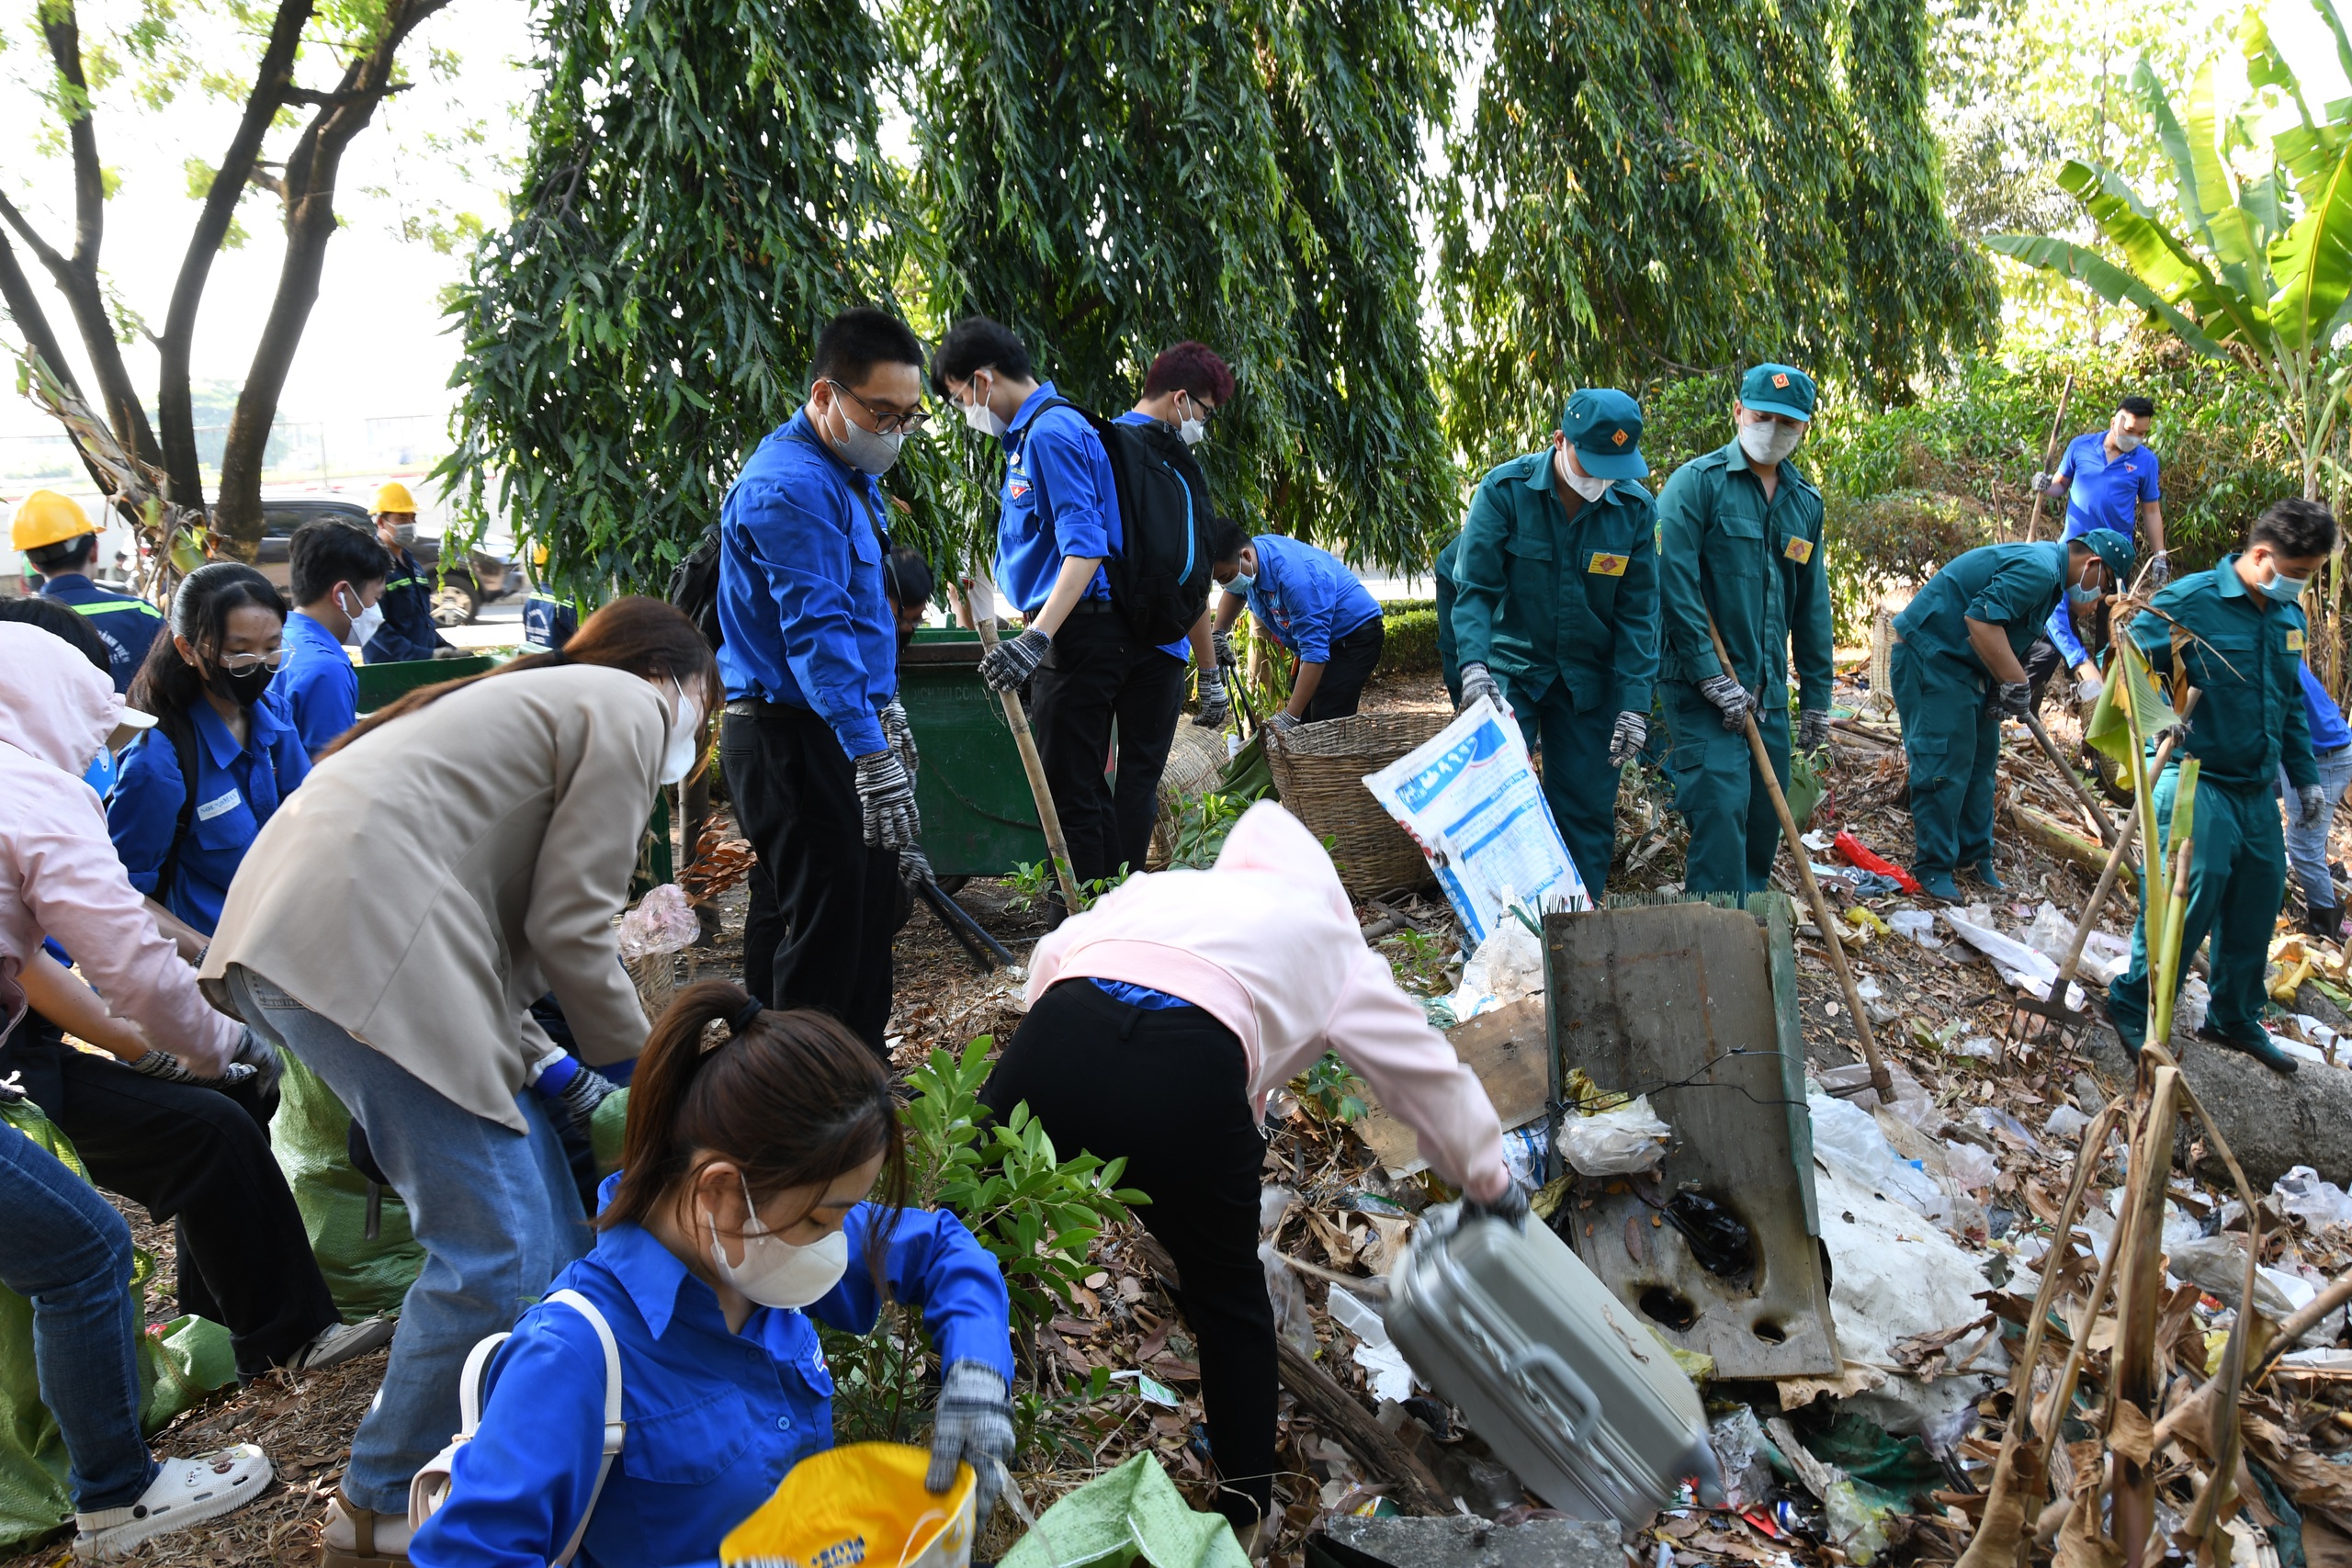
(1243, 582)
(2085, 595)
(2285, 590)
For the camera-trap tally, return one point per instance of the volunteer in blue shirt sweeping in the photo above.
(1309, 602)
(61, 543)
(739, 1221)
(338, 575)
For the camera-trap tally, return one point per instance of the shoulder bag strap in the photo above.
(615, 1427)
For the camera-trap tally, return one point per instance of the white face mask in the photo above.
(1584, 485)
(364, 623)
(685, 738)
(1192, 430)
(1767, 441)
(2126, 442)
(978, 415)
(774, 1273)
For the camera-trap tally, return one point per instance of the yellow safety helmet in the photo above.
(394, 497)
(46, 517)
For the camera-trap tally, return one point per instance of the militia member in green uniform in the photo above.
(1960, 668)
(1739, 541)
(1555, 611)
(2244, 647)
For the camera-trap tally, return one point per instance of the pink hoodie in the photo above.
(59, 873)
(1266, 945)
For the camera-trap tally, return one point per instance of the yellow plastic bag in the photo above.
(862, 1505)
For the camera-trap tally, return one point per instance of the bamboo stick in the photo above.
(1057, 846)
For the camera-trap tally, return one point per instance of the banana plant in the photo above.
(2254, 268)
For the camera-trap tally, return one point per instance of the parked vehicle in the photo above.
(460, 594)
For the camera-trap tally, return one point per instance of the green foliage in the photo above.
(1422, 964)
(1331, 1091)
(1031, 881)
(1200, 829)
(1408, 642)
(1903, 536)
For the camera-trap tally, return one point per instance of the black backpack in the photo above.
(693, 585)
(1160, 574)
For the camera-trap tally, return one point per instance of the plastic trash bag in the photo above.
(1722, 1244)
(1292, 1320)
(2217, 1263)
(1134, 1512)
(1615, 1143)
(2065, 1124)
(1972, 1169)
(1383, 1365)
(861, 1502)
(1846, 1138)
(1507, 967)
(2315, 1202)
(1740, 1444)
(662, 922)
(1914, 925)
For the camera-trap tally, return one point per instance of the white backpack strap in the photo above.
(469, 1384)
(429, 1488)
(615, 1427)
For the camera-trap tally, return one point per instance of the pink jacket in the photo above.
(1267, 943)
(59, 873)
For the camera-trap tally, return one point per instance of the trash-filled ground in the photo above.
(1937, 1206)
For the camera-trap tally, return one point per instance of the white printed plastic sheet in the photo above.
(1470, 798)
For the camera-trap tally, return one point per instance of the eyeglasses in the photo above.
(885, 424)
(238, 663)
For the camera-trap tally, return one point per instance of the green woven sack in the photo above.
(607, 1125)
(310, 1136)
(180, 1362)
(1132, 1512)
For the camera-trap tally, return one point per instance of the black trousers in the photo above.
(823, 906)
(199, 1158)
(1168, 1090)
(1100, 676)
(1353, 658)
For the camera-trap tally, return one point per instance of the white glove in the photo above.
(2310, 801)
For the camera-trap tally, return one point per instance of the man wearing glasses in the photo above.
(817, 755)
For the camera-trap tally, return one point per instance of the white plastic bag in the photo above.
(662, 922)
(1615, 1143)
(1971, 1168)
(1507, 967)
(2065, 1124)
(2315, 1202)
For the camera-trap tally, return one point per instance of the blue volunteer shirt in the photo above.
(408, 631)
(1306, 597)
(1180, 649)
(801, 601)
(1059, 500)
(126, 625)
(237, 790)
(2329, 732)
(715, 1419)
(316, 689)
(2103, 494)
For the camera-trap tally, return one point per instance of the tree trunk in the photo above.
(271, 79)
(25, 310)
(309, 224)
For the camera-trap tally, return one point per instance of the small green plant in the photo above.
(1201, 827)
(1331, 1089)
(1421, 961)
(1032, 880)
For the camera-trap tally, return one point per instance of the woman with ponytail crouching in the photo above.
(739, 1214)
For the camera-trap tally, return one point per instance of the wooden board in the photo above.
(1506, 1049)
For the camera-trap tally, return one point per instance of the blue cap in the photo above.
(1605, 427)
(1778, 389)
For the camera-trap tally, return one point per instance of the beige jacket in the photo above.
(432, 879)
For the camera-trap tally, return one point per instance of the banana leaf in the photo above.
(2111, 729)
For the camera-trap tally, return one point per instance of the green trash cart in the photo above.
(978, 819)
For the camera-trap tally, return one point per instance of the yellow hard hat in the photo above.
(46, 517)
(394, 497)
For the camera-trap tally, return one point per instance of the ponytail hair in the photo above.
(791, 1098)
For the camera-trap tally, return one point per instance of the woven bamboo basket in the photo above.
(1318, 775)
(1195, 764)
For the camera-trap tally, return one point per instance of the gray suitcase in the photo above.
(1568, 1386)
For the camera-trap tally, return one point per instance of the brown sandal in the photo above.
(363, 1553)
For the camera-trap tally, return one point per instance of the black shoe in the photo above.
(2324, 921)
(2260, 1048)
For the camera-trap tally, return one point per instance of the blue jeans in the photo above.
(495, 1210)
(65, 1249)
(2307, 840)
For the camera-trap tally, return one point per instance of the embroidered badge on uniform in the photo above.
(1798, 549)
(1780, 379)
(2294, 640)
(1607, 565)
(1619, 438)
(1019, 488)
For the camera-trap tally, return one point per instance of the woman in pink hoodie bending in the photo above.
(1161, 1019)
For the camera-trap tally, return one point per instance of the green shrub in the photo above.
(1409, 642)
(1902, 537)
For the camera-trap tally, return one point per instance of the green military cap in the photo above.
(2112, 547)
(1778, 389)
(1605, 427)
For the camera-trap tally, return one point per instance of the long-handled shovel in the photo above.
(2106, 830)
(1880, 1080)
(2049, 1018)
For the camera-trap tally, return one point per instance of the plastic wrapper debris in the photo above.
(1858, 1526)
(1740, 1446)
(1526, 1150)
(2317, 1203)
(1507, 967)
(2189, 1011)
(662, 922)
(1874, 1001)
(1871, 861)
(2217, 1264)
(1292, 1320)
(1615, 1143)
(1907, 1097)
(2018, 965)
(1981, 1046)
(1847, 1137)
(2105, 954)
(1914, 925)
(1383, 1365)
(2065, 1124)
(1972, 1169)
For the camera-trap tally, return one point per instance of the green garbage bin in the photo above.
(382, 684)
(978, 819)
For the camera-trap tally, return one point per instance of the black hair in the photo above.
(66, 554)
(976, 343)
(2138, 408)
(1225, 539)
(61, 621)
(860, 338)
(2294, 528)
(326, 552)
(168, 685)
(907, 578)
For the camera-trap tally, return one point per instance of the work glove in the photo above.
(1282, 721)
(1734, 701)
(914, 868)
(1216, 705)
(2013, 698)
(584, 1090)
(1813, 729)
(2310, 801)
(2159, 570)
(1511, 1207)
(1223, 644)
(1477, 682)
(1007, 666)
(258, 1054)
(2041, 482)
(887, 797)
(1625, 741)
(901, 735)
(2088, 688)
(973, 1423)
(161, 1064)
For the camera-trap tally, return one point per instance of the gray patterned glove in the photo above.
(2159, 570)
(973, 1423)
(1813, 729)
(1282, 721)
(887, 796)
(1478, 682)
(258, 1054)
(1217, 703)
(1007, 666)
(1224, 642)
(1626, 740)
(914, 868)
(2310, 801)
(1734, 701)
(161, 1064)
(901, 735)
